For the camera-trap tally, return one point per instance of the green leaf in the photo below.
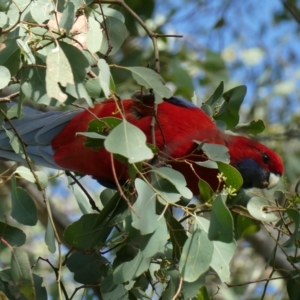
(144, 216)
(80, 197)
(50, 237)
(4, 108)
(94, 35)
(15, 237)
(256, 207)
(176, 178)
(150, 244)
(172, 287)
(23, 207)
(93, 88)
(15, 142)
(208, 164)
(4, 77)
(151, 80)
(78, 91)
(253, 127)
(41, 11)
(216, 152)
(215, 99)
(191, 289)
(67, 19)
(10, 56)
(77, 60)
(293, 288)
(222, 254)
(196, 256)
(26, 51)
(229, 111)
(21, 273)
(221, 221)
(87, 268)
(83, 233)
(102, 127)
(104, 77)
(295, 216)
(58, 72)
(245, 226)
(206, 192)
(177, 235)
(3, 19)
(26, 173)
(117, 34)
(40, 291)
(110, 290)
(203, 294)
(131, 269)
(110, 12)
(34, 83)
(166, 191)
(297, 189)
(116, 205)
(233, 177)
(128, 141)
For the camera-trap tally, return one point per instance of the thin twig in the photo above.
(91, 201)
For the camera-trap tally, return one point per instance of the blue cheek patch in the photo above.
(252, 173)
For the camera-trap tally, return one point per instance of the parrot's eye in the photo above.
(265, 158)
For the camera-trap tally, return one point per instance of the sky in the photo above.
(259, 52)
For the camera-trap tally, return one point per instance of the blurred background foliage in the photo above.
(255, 43)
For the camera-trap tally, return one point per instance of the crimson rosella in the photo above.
(52, 141)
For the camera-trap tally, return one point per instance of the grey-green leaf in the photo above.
(23, 207)
(151, 80)
(104, 77)
(222, 255)
(216, 152)
(94, 35)
(131, 269)
(176, 178)
(196, 256)
(221, 221)
(50, 237)
(67, 19)
(4, 77)
(128, 141)
(21, 273)
(58, 72)
(144, 216)
(256, 207)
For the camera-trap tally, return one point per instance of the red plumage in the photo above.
(176, 128)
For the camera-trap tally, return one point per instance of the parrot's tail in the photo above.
(37, 129)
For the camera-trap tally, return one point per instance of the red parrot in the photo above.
(52, 141)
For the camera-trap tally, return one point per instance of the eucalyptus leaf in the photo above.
(23, 207)
(67, 19)
(196, 256)
(4, 77)
(104, 77)
(151, 80)
(21, 273)
(94, 35)
(128, 141)
(50, 237)
(131, 269)
(58, 72)
(221, 221)
(12, 235)
(256, 207)
(144, 215)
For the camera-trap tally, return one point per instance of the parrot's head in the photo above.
(259, 166)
